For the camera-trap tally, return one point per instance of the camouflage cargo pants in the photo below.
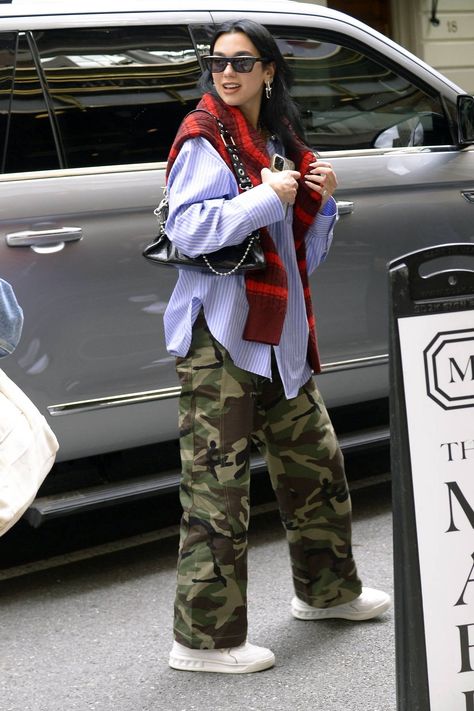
(222, 410)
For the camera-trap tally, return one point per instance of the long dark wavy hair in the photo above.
(280, 109)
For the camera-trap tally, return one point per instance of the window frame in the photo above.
(196, 33)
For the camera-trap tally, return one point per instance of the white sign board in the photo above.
(437, 354)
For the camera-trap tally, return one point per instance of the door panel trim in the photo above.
(71, 408)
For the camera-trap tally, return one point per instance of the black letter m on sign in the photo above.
(454, 488)
(461, 373)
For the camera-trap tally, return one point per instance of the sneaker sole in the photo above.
(194, 665)
(332, 613)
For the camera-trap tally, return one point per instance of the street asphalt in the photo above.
(95, 634)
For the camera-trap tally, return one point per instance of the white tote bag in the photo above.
(28, 448)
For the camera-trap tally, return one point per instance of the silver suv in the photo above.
(92, 93)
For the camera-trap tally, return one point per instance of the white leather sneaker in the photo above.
(370, 603)
(232, 660)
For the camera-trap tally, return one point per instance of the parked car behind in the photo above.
(92, 93)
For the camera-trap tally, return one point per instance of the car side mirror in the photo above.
(465, 119)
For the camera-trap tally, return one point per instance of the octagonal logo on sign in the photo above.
(449, 369)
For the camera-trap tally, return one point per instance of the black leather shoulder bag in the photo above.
(236, 259)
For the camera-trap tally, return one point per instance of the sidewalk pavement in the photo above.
(96, 634)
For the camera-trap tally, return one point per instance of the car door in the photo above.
(93, 113)
(386, 124)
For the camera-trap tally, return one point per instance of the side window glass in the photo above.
(7, 64)
(119, 94)
(28, 136)
(349, 101)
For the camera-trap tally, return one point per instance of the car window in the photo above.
(7, 64)
(25, 122)
(350, 100)
(118, 93)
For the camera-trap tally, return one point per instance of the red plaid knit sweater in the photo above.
(267, 290)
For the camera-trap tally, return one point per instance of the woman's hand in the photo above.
(322, 179)
(284, 183)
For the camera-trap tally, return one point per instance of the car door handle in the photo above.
(42, 238)
(344, 207)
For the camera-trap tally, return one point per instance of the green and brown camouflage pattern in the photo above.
(222, 410)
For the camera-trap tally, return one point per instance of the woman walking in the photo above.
(246, 351)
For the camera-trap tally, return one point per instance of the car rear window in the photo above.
(118, 94)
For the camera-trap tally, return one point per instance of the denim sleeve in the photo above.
(11, 319)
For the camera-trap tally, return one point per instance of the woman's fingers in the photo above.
(322, 179)
(284, 183)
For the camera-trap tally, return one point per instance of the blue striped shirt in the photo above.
(207, 212)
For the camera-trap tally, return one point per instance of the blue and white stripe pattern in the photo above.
(206, 212)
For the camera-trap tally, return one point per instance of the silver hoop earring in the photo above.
(268, 88)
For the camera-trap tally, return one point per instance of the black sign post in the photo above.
(432, 439)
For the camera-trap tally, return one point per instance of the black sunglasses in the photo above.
(242, 65)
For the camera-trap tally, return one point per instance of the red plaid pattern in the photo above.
(266, 291)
